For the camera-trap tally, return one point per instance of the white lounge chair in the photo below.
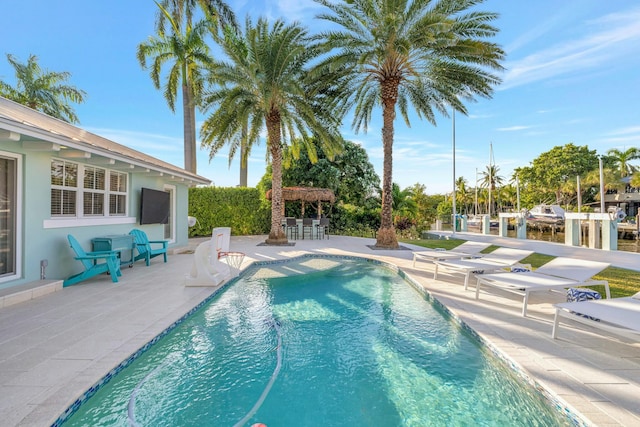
(497, 260)
(557, 275)
(467, 249)
(620, 316)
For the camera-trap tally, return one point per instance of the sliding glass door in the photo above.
(170, 226)
(8, 216)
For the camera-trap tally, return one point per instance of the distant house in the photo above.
(57, 179)
(628, 199)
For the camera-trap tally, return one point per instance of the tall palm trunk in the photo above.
(276, 235)
(189, 111)
(387, 234)
(244, 170)
(244, 157)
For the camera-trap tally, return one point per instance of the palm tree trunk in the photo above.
(276, 235)
(192, 140)
(189, 111)
(244, 170)
(386, 237)
(243, 157)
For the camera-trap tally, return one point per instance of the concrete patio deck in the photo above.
(56, 346)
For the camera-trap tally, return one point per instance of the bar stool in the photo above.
(291, 226)
(323, 228)
(307, 223)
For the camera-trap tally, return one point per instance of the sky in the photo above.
(572, 75)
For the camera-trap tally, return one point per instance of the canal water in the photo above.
(628, 245)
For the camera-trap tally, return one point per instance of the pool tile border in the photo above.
(569, 413)
(553, 400)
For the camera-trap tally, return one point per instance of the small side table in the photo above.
(122, 243)
(234, 260)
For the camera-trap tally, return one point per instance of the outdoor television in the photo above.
(154, 206)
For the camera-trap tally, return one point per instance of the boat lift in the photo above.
(606, 222)
(603, 228)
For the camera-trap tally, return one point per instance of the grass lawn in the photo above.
(622, 282)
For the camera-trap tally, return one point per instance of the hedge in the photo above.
(243, 209)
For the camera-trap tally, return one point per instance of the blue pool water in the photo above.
(349, 343)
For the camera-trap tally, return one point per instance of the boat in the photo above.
(546, 215)
(475, 221)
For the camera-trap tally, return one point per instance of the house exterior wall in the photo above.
(44, 238)
(627, 200)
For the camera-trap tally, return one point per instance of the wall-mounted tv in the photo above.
(154, 206)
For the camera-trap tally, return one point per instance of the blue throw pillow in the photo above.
(579, 294)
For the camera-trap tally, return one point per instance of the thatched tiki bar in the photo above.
(305, 194)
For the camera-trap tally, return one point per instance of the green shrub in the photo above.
(352, 220)
(247, 213)
(243, 209)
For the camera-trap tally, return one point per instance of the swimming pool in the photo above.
(348, 343)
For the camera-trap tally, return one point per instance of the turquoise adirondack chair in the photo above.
(143, 245)
(91, 265)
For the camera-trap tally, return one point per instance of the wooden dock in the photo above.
(627, 231)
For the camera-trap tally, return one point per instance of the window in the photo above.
(64, 183)
(92, 188)
(94, 191)
(117, 193)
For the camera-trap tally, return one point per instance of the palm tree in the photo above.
(463, 196)
(42, 90)
(184, 47)
(491, 181)
(622, 158)
(491, 178)
(403, 201)
(217, 11)
(611, 179)
(245, 150)
(401, 52)
(267, 83)
(508, 196)
(483, 200)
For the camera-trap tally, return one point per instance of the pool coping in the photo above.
(555, 402)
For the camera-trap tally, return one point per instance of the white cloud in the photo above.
(294, 10)
(623, 140)
(542, 28)
(141, 141)
(421, 144)
(513, 128)
(258, 160)
(375, 153)
(479, 116)
(238, 4)
(612, 36)
(626, 130)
